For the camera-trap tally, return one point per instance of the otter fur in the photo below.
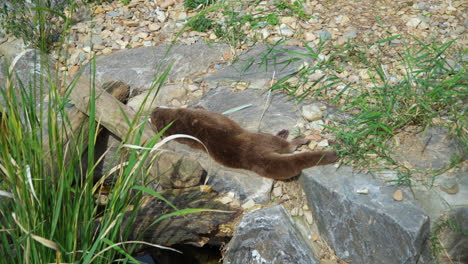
(235, 147)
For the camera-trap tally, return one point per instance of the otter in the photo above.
(234, 147)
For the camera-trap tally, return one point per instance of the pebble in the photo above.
(323, 143)
(309, 218)
(113, 14)
(398, 195)
(226, 200)
(99, 10)
(131, 23)
(309, 36)
(363, 191)
(311, 112)
(154, 27)
(278, 191)
(284, 30)
(165, 4)
(324, 35)
(413, 22)
(315, 125)
(106, 51)
(312, 145)
(249, 204)
(295, 211)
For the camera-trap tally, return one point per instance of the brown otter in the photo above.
(234, 147)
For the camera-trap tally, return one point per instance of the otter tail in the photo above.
(282, 167)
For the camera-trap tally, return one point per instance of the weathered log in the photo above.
(195, 229)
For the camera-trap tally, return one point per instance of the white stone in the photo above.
(309, 218)
(249, 204)
(312, 112)
(323, 143)
(413, 22)
(309, 36)
(316, 125)
(284, 30)
(154, 27)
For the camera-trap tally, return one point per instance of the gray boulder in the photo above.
(366, 228)
(140, 67)
(268, 236)
(259, 64)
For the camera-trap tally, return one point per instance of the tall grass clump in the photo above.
(430, 90)
(426, 87)
(48, 209)
(40, 23)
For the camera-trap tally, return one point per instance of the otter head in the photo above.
(162, 116)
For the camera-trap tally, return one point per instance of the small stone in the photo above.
(316, 75)
(148, 43)
(277, 191)
(87, 49)
(197, 93)
(161, 16)
(316, 125)
(227, 55)
(73, 70)
(242, 86)
(142, 35)
(284, 30)
(311, 112)
(192, 87)
(323, 143)
(101, 199)
(226, 200)
(309, 36)
(398, 195)
(309, 218)
(413, 22)
(314, 137)
(364, 74)
(265, 33)
(154, 27)
(131, 23)
(324, 35)
(167, 3)
(116, 37)
(295, 211)
(288, 20)
(315, 237)
(106, 51)
(99, 10)
(249, 204)
(312, 145)
(113, 14)
(351, 34)
(213, 36)
(363, 191)
(182, 16)
(305, 207)
(423, 25)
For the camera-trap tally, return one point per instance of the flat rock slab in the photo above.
(268, 236)
(261, 63)
(138, 67)
(432, 149)
(366, 228)
(281, 113)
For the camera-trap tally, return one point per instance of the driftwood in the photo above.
(194, 229)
